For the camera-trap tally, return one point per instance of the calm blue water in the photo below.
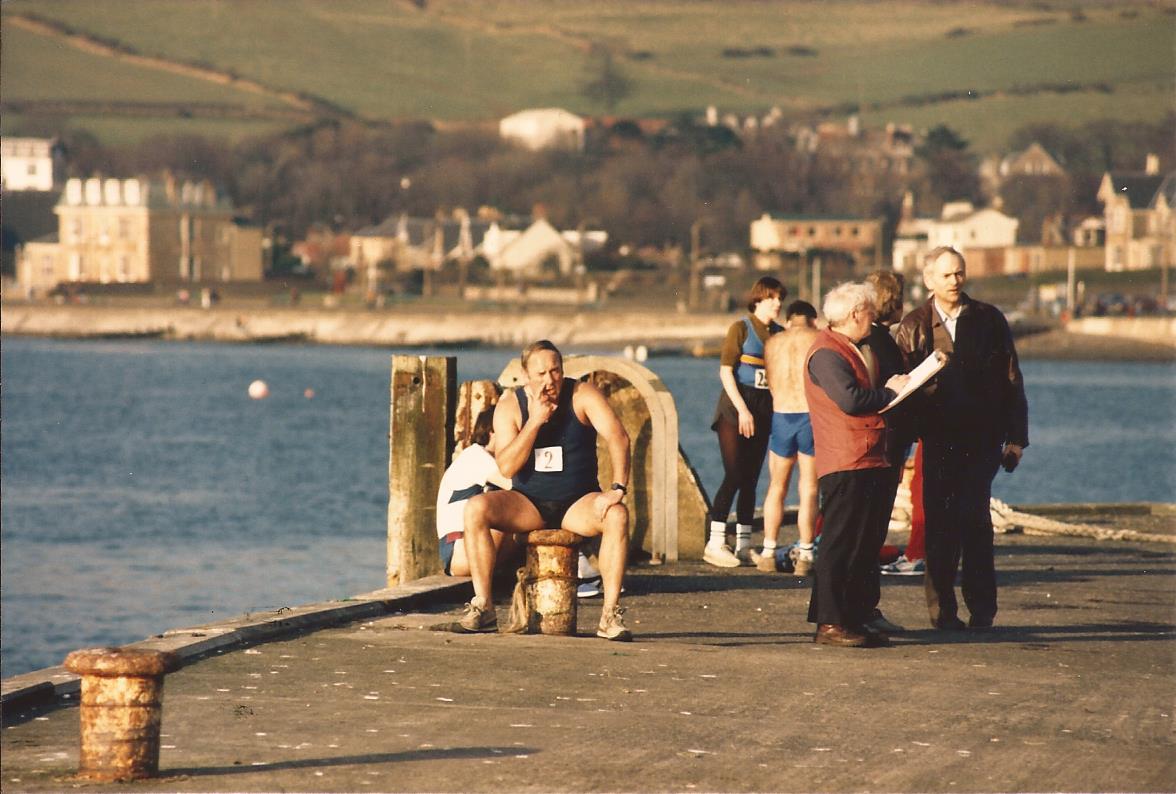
(143, 490)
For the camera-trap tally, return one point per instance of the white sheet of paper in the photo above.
(919, 376)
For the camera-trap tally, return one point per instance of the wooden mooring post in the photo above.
(420, 439)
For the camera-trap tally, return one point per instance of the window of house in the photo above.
(812, 231)
(75, 228)
(124, 228)
(855, 231)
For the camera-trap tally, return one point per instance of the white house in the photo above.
(544, 128)
(526, 252)
(962, 226)
(959, 225)
(31, 163)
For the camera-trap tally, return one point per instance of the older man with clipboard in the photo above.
(856, 487)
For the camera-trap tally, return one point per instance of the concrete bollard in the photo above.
(551, 581)
(121, 710)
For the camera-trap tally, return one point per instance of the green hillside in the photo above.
(983, 68)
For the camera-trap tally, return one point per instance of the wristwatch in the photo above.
(616, 486)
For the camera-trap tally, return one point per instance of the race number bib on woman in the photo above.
(549, 459)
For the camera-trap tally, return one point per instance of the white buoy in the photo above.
(628, 352)
(258, 390)
(642, 354)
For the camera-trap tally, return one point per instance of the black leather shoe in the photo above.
(875, 637)
(975, 622)
(952, 623)
(830, 634)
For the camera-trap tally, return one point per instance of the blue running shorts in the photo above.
(791, 433)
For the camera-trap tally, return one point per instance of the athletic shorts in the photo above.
(445, 547)
(552, 511)
(791, 433)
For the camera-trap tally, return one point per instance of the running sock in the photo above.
(769, 548)
(742, 537)
(805, 546)
(718, 533)
(586, 571)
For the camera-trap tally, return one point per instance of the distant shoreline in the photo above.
(662, 332)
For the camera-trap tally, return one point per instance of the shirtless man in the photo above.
(546, 443)
(791, 442)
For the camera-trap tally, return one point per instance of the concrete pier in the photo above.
(721, 690)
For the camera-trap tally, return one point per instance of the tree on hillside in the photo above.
(606, 83)
(1032, 199)
(950, 166)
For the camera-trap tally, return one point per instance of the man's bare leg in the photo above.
(780, 473)
(460, 564)
(803, 555)
(806, 516)
(506, 511)
(584, 518)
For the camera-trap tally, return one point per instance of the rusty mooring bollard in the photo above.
(122, 704)
(551, 581)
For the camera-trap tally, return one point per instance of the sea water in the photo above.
(144, 490)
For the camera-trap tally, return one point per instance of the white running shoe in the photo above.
(720, 554)
(589, 588)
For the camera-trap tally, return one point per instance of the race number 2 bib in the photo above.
(761, 378)
(549, 459)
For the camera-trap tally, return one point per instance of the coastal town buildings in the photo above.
(982, 235)
(165, 232)
(523, 248)
(856, 243)
(1140, 222)
(31, 163)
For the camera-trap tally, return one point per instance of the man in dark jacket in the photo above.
(972, 417)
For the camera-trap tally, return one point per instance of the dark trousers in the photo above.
(743, 460)
(957, 487)
(855, 513)
(875, 587)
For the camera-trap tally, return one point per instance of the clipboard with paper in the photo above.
(918, 376)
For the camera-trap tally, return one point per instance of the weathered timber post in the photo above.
(420, 437)
(121, 712)
(551, 581)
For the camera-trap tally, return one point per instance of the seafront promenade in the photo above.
(722, 690)
(450, 325)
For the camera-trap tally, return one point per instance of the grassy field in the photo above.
(470, 60)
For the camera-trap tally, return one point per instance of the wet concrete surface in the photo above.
(722, 690)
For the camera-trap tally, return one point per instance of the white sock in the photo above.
(718, 533)
(586, 571)
(805, 546)
(769, 548)
(742, 537)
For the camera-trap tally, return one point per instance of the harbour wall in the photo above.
(391, 328)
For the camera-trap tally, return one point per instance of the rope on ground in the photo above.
(520, 610)
(1006, 519)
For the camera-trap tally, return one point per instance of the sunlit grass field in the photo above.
(471, 60)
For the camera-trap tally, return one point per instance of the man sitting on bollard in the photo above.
(546, 443)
